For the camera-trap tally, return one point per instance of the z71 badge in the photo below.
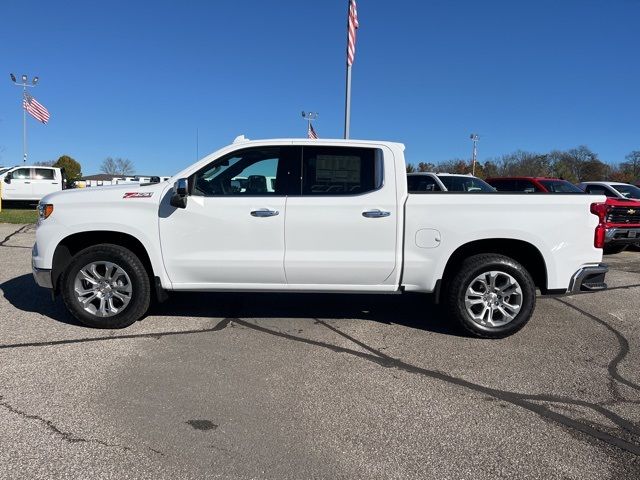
(137, 194)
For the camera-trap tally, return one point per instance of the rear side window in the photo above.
(599, 190)
(22, 174)
(341, 170)
(422, 183)
(504, 185)
(44, 174)
(560, 186)
(527, 186)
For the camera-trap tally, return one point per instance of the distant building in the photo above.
(102, 179)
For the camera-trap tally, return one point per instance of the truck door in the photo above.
(44, 181)
(342, 229)
(231, 233)
(20, 186)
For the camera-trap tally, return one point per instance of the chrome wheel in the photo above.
(103, 288)
(493, 299)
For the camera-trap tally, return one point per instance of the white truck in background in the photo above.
(339, 218)
(31, 183)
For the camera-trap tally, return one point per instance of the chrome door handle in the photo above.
(376, 213)
(26, 183)
(264, 212)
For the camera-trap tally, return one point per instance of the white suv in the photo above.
(611, 189)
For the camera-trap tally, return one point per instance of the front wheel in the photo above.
(106, 286)
(491, 296)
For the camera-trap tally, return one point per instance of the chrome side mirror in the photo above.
(180, 193)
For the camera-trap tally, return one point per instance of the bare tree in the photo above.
(117, 166)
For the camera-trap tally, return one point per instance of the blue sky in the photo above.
(136, 79)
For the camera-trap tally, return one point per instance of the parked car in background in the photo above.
(532, 185)
(339, 219)
(31, 183)
(446, 182)
(619, 216)
(612, 189)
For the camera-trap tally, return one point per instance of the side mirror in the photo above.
(7, 177)
(180, 193)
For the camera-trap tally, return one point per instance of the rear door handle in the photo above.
(375, 213)
(264, 212)
(26, 183)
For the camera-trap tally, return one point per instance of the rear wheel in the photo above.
(106, 286)
(491, 296)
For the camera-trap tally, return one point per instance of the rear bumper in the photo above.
(589, 279)
(622, 236)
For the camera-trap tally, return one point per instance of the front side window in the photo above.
(560, 186)
(22, 174)
(341, 170)
(628, 191)
(263, 171)
(44, 174)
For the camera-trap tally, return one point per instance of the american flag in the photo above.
(353, 26)
(36, 110)
(311, 133)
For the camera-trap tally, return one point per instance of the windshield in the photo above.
(627, 191)
(560, 186)
(462, 183)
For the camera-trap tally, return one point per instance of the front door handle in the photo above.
(264, 212)
(376, 213)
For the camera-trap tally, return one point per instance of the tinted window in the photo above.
(600, 190)
(341, 170)
(527, 186)
(461, 183)
(560, 186)
(255, 171)
(422, 183)
(504, 185)
(44, 174)
(22, 173)
(628, 191)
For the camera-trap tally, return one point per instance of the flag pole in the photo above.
(347, 100)
(24, 125)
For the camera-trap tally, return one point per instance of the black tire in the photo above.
(469, 270)
(613, 249)
(130, 263)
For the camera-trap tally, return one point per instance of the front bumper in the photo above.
(42, 277)
(622, 236)
(589, 279)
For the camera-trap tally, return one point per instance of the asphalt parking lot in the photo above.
(325, 386)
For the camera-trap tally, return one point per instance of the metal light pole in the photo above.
(24, 86)
(474, 158)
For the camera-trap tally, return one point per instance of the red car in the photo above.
(619, 219)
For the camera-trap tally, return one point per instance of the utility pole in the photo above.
(24, 86)
(474, 156)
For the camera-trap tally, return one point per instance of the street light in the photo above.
(24, 86)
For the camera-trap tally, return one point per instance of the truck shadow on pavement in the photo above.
(410, 310)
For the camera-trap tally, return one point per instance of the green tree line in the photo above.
(578, 164)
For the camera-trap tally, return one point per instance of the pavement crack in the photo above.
(66, 436)
(518, 399)
(222, 324)
(622, 342)
(22, 229)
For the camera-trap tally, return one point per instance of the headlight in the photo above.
(44, 210)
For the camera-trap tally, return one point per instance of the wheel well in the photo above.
(71, 245)
(522, 252)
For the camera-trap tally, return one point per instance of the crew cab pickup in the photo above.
(619, 217)
(338, 218)
(31, 182)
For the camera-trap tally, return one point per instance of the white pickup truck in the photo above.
(30, 183)
(314, 216)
